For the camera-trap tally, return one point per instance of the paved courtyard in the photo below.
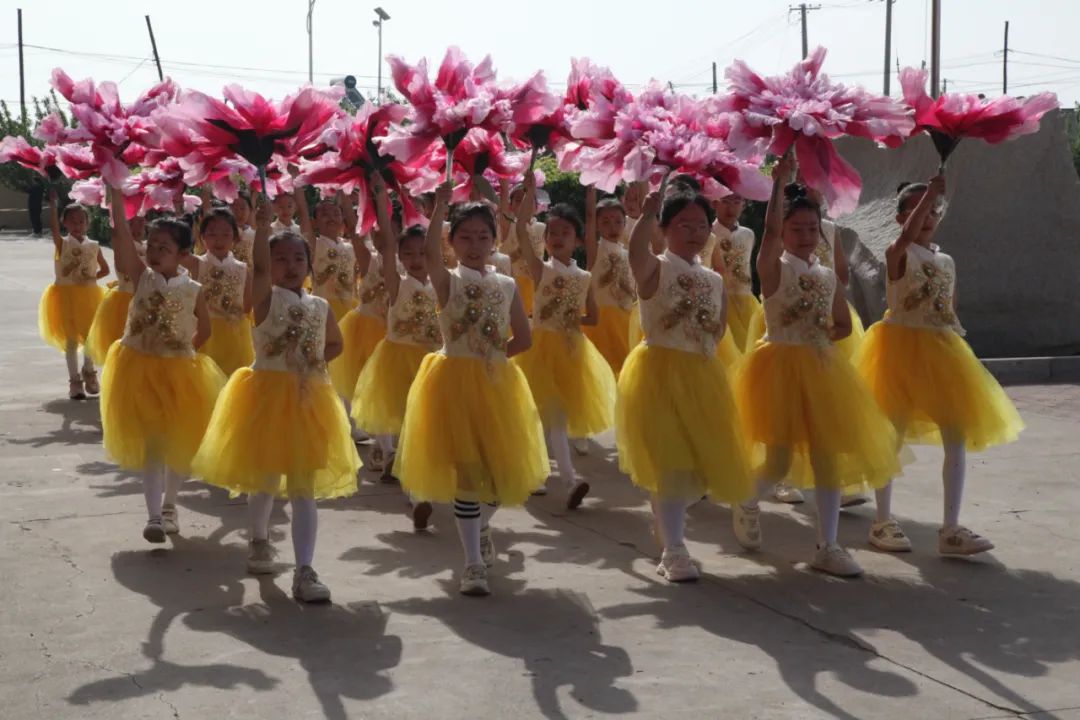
(96, 623)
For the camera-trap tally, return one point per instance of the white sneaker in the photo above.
(958, 540)
(474, 581)
(889, 536)
(580, 445)
(169, 519)
(782, 492)
(154, 531)
(835, 560)
(487, 547)
(853, 500)
(746, 522)
(260, 557)
(577, 495)
(676, 566)
(306, 586)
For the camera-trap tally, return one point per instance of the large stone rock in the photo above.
(1013, 226)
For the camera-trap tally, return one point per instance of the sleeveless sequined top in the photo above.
(223, 281)
(612, 280)
(736, 247)
(684, 314)
(923, 298)
(800, 311)
(292, 336)
(334, 274)
(77, 263)
(476, 319)
(413, 318)
(161, 318)
(559, 301)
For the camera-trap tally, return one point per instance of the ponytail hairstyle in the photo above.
(677, 201)
(797, 197)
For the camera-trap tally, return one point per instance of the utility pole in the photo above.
(888, 42)
(803, 8)
(935, 49)
(22, 73)
(383, 17)
(1005, 63)
(153, 45)
(714, 85)
(310, 44)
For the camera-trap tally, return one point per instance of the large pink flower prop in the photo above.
(204, 130)
(805, 110)
(18, 150)
(461, 97)
(953, 116)
(354, 156)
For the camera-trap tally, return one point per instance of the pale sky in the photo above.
(263, 45)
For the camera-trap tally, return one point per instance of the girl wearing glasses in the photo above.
(924, 375)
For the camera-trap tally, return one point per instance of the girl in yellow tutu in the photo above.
(412, 332)
(333, 257)
(571, 382)
(67, 306)
(226, 286)
(157, 392)
(111, 314)
(613, 284)
(731, 258)
(801, 400)
(279, 430)
(509, 204)
(472, 435)
(676, 423)
(364, 326)
(922, 373)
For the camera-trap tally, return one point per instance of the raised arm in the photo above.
(592, 245)
(307, 229)
(896, 253)
(772, 244)
(440, 276)
(261, 284)
(54, 222)
(643, 262)
(348, 212)
(127, 259)
(521, 229)
(388, 242)
(840, 263)
(505, 218)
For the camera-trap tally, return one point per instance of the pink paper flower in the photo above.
(461, 97)
(805, 110)
(953, 116)
(536, 117)
(18, 150)
(593, 97)
(354, 156)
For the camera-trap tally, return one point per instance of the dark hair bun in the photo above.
(794, 191)
(901, 186)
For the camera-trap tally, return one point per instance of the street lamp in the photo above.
(383, 16)
(310, 44)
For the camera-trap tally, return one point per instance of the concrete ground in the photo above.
(96, 623)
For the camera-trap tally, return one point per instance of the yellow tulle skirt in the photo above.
(361, 334)
(66, 313)
(471, 432)
(926, 380)
(230, 344)
(108, 324)
(813, 402)
(570, 381)
(635, 334)
(382, 390)
(611, 335)
(340, 307)
(677, 426)
(278, 433)
(847, 347)
(156, 408)
(740, 314)
(527, 289)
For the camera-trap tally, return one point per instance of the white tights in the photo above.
(670, 520)
(953, 471)
(827, 501)
(71, 355)
(560, 450)
(305, 523)
(159, 483)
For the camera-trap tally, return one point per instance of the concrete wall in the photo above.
(13, 214)
(1013, 226)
